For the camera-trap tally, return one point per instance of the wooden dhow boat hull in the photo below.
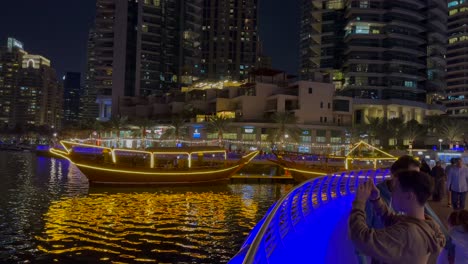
(98, 175)
(298, 173)
(112, 173)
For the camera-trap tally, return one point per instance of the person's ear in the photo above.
(410, 196)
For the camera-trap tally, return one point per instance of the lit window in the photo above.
(411, 84)
(362, 29)
(454, 3)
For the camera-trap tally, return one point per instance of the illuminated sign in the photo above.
(249, 130)
(306, 132)
(196, 133)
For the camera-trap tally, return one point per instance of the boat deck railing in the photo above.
(298, 204)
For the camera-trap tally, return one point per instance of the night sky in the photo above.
(58, 30)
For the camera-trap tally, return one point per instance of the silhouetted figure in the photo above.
(425, 167)
(438, 175)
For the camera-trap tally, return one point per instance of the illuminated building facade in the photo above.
(457, 59)
(377, 50)
(140, 49)
(31, 94)
(10, 64)
(230, 40)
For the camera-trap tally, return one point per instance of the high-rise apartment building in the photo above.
(229, 38)
(71, 96)
(139, 49)
(88, 106)
(387, 55)
(147, 48)
(457, 59)
(30, 92)
(10, 64)
(382, 50)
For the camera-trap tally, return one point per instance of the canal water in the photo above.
(48, 213)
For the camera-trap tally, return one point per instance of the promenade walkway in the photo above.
(441, 209)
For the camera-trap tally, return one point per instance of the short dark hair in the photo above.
(417, 182)
(403, 163)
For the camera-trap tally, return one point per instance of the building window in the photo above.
(321, 104)
(249, 137)
(362, 29)
(411, 84)
(364, 4)
(335, 137)
(329, 105)
(321, 136)
(321, 119)
(335, 4)
(325, 119)
(310, 90)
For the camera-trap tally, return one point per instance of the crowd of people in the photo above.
(392, 222)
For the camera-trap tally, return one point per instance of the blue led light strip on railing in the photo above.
(291, 210)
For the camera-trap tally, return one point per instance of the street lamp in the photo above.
(440, 144)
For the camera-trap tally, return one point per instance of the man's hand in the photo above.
(375, 192)
(367, 190)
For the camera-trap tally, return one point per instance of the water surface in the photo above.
(49, 213)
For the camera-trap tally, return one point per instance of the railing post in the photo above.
(348, 190)
(330, 187)
(288, 217)
(338, 190)
(324, 179)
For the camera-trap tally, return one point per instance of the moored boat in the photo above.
(103, 165)
(299, 172)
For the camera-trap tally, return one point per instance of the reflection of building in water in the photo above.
(182, 226)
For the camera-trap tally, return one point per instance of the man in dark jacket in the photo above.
(425, 167)
(438, 175)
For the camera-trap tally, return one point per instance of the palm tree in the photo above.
(285, 128)
(413, 130)
(118, 123)
(218, 124)
(433, 124)
(452, 130)
(374, 127)
(143, 124)
(176, 131)
(395, 127)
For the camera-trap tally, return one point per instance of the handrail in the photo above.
(298, 203)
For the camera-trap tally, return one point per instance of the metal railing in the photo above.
(299, 204)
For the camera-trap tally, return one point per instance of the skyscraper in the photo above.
(229, 38)
(147, 48)
(382, 50)
(71, 96)
(100, 66)
(10, 64)
(88, 106)
(30, 93)
(457, 59)
(139, 49)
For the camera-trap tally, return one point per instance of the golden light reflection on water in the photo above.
(148, 227)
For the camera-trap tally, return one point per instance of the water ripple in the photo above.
(48, 213)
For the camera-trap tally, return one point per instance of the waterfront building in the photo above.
(140, 49)
(381, 52)
(230, 40)
(30, 93)
(147, 48)
(457, 59)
